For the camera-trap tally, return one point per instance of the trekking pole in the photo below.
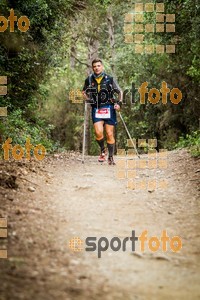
(84, 133)
(129, 134)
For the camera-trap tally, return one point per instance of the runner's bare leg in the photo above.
(98, 128)
(110, 133)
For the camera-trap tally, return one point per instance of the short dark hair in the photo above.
(96, 60)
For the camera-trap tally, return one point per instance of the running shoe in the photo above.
(111, 161)
(102, 157)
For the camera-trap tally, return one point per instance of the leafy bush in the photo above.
(19, 129)
(192, 142)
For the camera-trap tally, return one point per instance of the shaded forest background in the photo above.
(54, 57)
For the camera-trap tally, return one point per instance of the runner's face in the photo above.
(97, 68)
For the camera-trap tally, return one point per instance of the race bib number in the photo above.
(102, 113)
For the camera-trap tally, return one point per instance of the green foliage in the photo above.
(191, 141)
(17, 128)
(26, 58)
(194, 70)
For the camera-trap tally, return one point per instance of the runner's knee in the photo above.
(109, 134)
(99, 134)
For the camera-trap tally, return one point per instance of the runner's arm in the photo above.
(116, 88)
(86, 85)
(89, 92)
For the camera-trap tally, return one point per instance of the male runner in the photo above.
(100, 88)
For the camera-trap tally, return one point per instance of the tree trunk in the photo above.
(111, 36)
(74, 38)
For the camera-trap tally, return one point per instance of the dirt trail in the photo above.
(75, 200)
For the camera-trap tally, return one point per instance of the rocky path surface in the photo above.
(60, 199)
